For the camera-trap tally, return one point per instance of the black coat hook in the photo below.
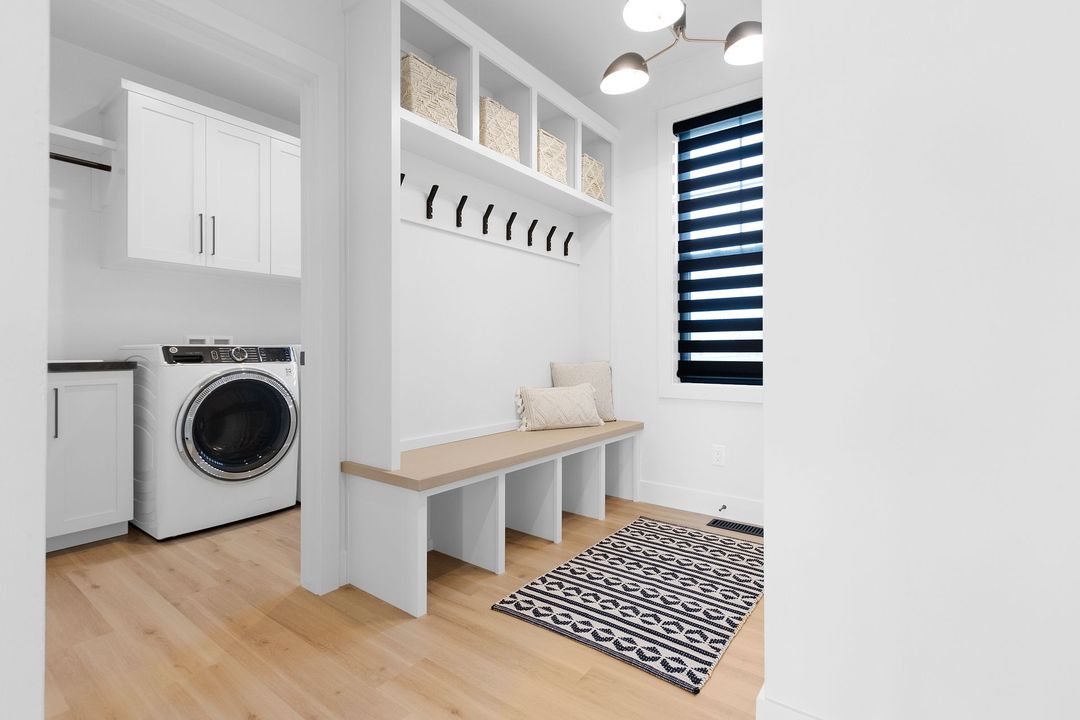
(509, 224)
(551, 233)
(460, 207)
(566, 244)
(430, 200)
(402, 181)
(531, 228)
(487, 214)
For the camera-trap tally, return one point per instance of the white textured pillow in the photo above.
(597, 374)
(557, 407)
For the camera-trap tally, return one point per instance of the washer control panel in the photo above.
(231, 354)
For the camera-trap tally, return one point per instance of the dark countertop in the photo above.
(92, 365)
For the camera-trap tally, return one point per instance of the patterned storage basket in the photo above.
(499, 128)
(429, 91)
(551, 156)
(592, 177)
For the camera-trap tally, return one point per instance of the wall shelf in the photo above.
(425, 138)
(66, 141)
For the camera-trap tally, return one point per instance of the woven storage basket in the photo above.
(592, 177)
(428, 91)
(499, 128)
(551, 156)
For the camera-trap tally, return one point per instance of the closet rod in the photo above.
(79, 161)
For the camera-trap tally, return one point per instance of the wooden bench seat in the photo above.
(460, 497)
(430, 467)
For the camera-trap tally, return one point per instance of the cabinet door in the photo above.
(166, 182)
(238, 197)
(284, 208)
(89, 478)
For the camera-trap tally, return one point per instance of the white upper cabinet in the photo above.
(166, 181)
(195, 187)
(284, 208)
(237, 197)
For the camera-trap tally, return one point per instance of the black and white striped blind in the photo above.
(719, 207)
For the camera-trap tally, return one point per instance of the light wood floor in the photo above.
(214, 625)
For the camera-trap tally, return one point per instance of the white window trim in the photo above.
(667, 255)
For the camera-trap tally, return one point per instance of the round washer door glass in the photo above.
(238, 426)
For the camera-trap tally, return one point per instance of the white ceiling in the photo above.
(573, 41)
(96, 27)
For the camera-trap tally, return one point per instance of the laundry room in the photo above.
(174, 262)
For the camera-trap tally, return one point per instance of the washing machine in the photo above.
(215, 434)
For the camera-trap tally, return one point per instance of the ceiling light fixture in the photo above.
(650, 15)
(744, 45)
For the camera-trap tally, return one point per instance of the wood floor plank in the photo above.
(215, 625)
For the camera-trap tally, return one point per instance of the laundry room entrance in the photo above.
(194, 312)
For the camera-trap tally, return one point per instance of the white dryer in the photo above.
(215, 434)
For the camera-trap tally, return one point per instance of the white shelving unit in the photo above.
(423, 137)
(483, 66)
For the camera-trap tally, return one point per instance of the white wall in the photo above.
(679, 434)
(317, 25)
(921, 430)
(24, 72)
(94, 310)
(80, 80)
(478, 319)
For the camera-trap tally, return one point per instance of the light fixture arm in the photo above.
(661, 52)
(684, 36)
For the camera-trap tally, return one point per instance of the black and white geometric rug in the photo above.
(665, 598)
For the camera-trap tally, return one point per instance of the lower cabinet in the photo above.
(90, 460)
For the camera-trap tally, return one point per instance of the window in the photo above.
(719, 225)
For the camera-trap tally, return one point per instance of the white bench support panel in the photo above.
(467, 523)
(622, 463)
(471, 491)
(583, 482)
(387, 543)
(534, 500)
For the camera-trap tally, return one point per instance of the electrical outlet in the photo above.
(719, 455)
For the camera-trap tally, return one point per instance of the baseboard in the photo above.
(63, 542)
(700, 501)
(769, 709)
(419, 441)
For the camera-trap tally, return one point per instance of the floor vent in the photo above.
(737, 527)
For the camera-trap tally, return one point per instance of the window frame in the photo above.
(667, 256)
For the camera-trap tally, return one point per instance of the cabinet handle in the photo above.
(56, 412)
(213, 234)
(200, 233)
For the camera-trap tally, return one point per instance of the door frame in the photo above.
(319, 80)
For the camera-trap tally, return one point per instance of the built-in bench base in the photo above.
(459, 498)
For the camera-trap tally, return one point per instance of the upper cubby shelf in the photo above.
(485, 68)
(423, 137)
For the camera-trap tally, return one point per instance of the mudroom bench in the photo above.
(459, 498)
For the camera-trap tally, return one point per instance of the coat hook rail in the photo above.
(460, 207)
(431, 201)
(487, 214)
(566, 244)
(551, 233)
(510, 224)
(531, 228)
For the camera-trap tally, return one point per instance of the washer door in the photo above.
(237, 426)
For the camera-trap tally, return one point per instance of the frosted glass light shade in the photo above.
(650, 15)
(626, 74)
(745, 45)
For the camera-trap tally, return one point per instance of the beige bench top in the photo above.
(429, 467)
